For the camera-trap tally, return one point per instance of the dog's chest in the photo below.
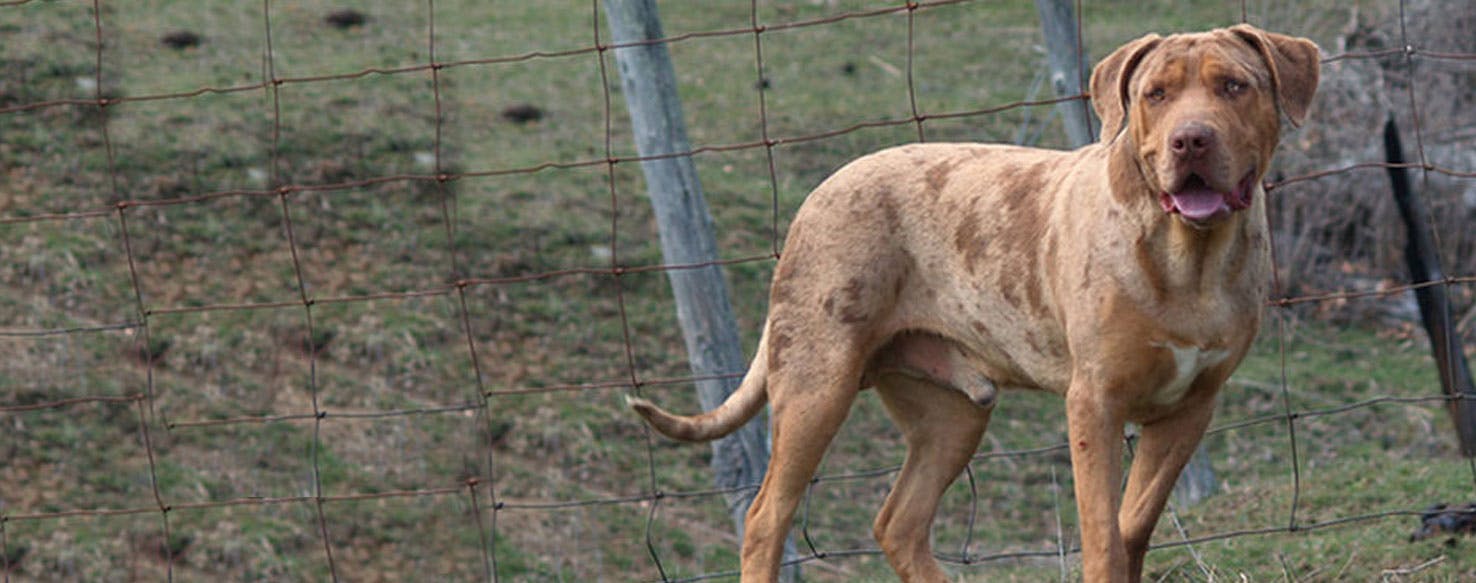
(1188, 363)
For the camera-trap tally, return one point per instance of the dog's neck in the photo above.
(1196, 257)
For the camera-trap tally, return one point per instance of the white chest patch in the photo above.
(1189, 361)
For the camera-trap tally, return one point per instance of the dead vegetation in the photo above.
(1341, 231)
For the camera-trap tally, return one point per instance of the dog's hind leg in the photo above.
(809, 398)
(942, 427)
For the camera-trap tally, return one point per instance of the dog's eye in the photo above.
(1156, 95)
(1234, 86)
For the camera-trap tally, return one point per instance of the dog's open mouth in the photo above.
(1196, 201)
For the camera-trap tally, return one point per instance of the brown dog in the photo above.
(1127, 276)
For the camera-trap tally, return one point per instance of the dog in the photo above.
(1127, 276)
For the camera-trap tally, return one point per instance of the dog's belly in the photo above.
(940, 361)
(992, 333)
(980, 374)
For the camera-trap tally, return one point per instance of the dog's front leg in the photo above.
(1095, 427)
(1164, 448)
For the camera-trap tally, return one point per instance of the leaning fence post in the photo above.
(1067, 64)
(1434, 300)
(685, 225)
(1066, 56)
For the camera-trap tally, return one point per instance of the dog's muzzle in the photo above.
(1197, 202)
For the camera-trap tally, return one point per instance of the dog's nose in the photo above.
(1191, 140)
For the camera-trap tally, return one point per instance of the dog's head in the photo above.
(1202, 112)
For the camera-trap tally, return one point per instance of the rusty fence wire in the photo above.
(476, 499)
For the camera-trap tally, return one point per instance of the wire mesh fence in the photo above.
(297, 291)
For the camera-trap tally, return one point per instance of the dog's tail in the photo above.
(742, 405)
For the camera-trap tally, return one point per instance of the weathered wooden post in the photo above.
(703, 307)
(1434, 300)
(1066, 57)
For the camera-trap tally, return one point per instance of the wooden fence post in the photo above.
(1424, 266)
(703, 307)
(1066, 55)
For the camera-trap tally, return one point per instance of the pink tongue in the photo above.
(1199, 203)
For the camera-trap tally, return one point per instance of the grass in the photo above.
(229, 339)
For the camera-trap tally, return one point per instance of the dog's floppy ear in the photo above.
(1294, 64)
(1110, 83)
